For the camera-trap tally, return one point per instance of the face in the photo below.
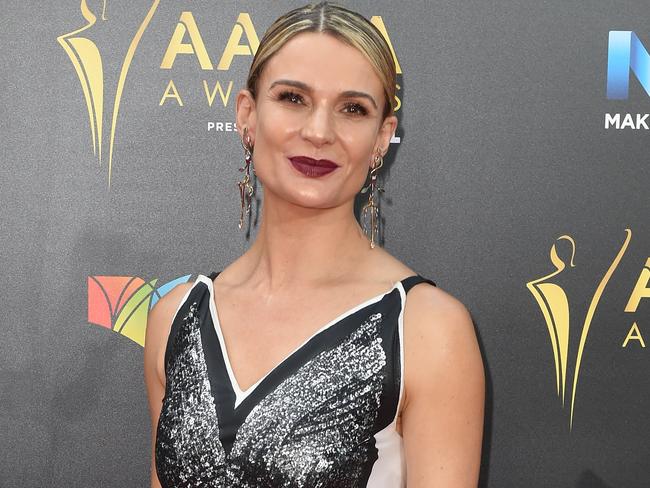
(320, 99)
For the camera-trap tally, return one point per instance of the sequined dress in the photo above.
(324, 417)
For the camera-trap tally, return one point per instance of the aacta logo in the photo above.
(122, 303)
(88, 61)
(185, 39)
(555, 307)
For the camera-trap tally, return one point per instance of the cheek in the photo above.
(359, 141)
(273, 133)
(275, 125)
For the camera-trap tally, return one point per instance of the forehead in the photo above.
(324, 63)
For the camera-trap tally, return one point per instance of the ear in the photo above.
(246, 112)
(386, 132)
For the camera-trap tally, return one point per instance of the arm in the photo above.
(444, 380)
(159, 323)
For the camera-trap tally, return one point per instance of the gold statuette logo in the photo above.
(88, 63)
(555, 307)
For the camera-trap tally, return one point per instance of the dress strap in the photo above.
(213, 275)
(411, 281)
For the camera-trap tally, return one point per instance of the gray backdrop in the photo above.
(503, 150)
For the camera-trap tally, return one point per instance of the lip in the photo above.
(311, 167)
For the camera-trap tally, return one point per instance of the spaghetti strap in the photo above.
(411, 281)
(213, 275)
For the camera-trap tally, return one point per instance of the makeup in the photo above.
(312, 168)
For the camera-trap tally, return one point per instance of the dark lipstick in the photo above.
(312, 167)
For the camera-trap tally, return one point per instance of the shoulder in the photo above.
(159, 321)
(440, 342)
(430, 309)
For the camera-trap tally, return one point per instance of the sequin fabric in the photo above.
(315, 429)
(188, 450)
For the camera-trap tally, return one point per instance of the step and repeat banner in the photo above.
(518, 180)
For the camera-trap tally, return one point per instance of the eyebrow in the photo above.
(305, 87)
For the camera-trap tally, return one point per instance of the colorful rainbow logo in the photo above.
(122, 303)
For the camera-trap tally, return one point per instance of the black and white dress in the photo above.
(324, 417)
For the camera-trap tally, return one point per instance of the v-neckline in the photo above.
(241, 395)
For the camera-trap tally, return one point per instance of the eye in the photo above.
(356, 109)
(290, 97)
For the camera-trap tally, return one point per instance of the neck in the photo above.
(297, 245)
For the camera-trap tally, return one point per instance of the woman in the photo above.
(251, 381)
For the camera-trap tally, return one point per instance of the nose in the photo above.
(319, 126)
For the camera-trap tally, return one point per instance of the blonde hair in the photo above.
(340, 22)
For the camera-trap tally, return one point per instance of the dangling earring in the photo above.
(245, 186)
(370, 211)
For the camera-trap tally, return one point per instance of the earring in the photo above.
(370, 211)
(245, 186)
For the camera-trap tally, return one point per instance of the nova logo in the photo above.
(122, 303)
(555, 306)
(626, 53)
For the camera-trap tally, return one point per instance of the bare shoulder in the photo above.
(439, 341)
(430, 309)
(436, 323)
(159, 321)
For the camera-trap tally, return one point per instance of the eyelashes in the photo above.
(356, 108)
(290, 97)
(352, 108)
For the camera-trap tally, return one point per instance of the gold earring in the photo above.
(370, 211)
(245, 187)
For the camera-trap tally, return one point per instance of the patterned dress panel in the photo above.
(316, 428)
(188, 451)
(310, 423)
